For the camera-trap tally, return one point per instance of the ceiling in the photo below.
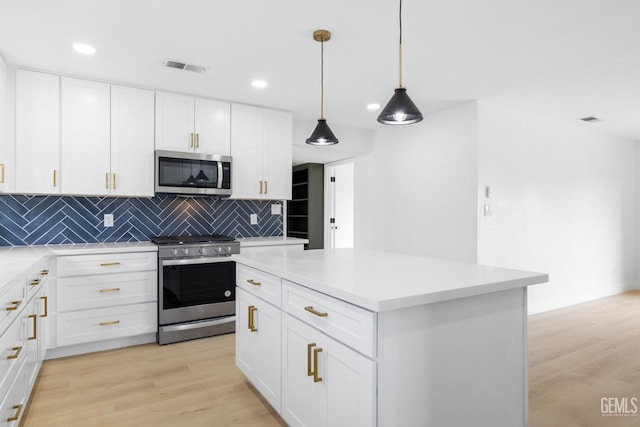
(565, 59)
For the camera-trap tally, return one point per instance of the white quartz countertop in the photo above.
(271, 241)
(382, 281)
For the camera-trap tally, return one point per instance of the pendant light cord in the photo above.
(322, 79)
(400, 47)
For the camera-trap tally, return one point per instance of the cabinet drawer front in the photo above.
(12, 301)
(13, 352)
(354, 326)
(14, 404)
(106, 323)
(259, 283)
(37, 276)
(81, 293)
(81, 265)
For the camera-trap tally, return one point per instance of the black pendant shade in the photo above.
(400, 110)
(202, 176)
(322, 135)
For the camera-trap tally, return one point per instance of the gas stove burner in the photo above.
(185, 240)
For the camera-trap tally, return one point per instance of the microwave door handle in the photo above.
(220, 174)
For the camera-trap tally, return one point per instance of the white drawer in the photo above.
(12, 301)
(84, 292)
(82, 265)
(15, 402)
(354, 326)
(107, 323)
(37, 276)
(13, 353)
(259, 283)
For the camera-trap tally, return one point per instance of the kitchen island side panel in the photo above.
(460, 362)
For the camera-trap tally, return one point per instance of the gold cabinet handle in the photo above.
(35, 282)
(109, 264)
(197, 140)
(113, 322)
(35, 326)
(44, 272)
(14, 306)
(309, 369)
(191, 141)
(317, 313)
(55, 178)
(252, 320)
(316, 378)
(46, 306)
(260, 187)
(18, 409)
(266, 187)
(2, 173)
(253, 282)
(114, 181)
(16, 354)
(106, 180)
(110, 290)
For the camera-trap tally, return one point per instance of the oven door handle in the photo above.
(201, 260)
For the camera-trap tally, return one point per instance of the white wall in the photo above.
(416, 191)
(564, 202)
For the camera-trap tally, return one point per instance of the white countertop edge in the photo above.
(102, 248)
(247, 242)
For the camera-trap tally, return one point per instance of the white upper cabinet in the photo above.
(132, 142)
(4, 152)
(261, 149)
(188, 124)
(85, 137)
(37, 133)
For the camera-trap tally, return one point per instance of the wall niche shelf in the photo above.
(305, 210)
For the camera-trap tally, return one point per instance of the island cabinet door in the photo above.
(324, 382)
(258, 326)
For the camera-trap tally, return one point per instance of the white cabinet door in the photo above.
(324, 382)
(42, 300)
(174, 122)
(37, 133)
(132, 142)
(31, 315)
(258, 344)
(247, 128)
(213, 127)
(277, 158)
(4, 151)
(85, 137)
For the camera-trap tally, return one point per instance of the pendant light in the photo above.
(400, 110)
(322, 135)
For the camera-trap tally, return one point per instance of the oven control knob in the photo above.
(185, 251)
(228, 248)
(174, 252)
(202, 251)
(219, 249)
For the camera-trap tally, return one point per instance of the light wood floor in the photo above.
(577, 355)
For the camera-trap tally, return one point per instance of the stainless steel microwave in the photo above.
(193, 173)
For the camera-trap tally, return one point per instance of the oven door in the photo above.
(195, 289)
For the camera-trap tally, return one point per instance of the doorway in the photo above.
(339, 204)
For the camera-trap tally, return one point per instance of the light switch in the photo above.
(488, 210)
(487, 192)
(108, 220)
(276, 209)
(254, 219)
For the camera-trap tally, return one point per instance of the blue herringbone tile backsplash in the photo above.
(45, 220)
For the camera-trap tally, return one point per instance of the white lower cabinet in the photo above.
(15, 401)
(258, 350)
(324, 382)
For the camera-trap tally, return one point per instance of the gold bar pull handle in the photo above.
(46, 306)
(260, 187)
(191, 141)
(253, 310)
(106, 180)
(18, 409)
(113, 322)
(44, 272)
(35, 282)
(309, 369)
(2, 173)
(266, 187)
(14, 305)
(55, 178)
(16, 354)
(197, 140)
(114, 181)
(311, 310)
(253, 282)
(249, 324)
(110, 290)
(109, 264)
(316, 378)
(35, 326)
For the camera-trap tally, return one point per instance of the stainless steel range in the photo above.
(196, 280)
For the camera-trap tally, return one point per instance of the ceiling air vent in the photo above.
(590, 119)
(183, 66)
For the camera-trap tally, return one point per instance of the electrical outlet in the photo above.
(108, 220)
(254, 219)
(276, 209)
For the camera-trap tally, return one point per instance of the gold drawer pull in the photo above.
(260, 187)
(109, 264)
(35, 326)
(110, 290)
(191, 140)
(253, 282)
(44, 272)
(16, 354)
(266, 187)
(317, 313)
(316, 378)
(252, 320)
(114, 322)
(17, 415)
(114, 181)
(35, 282)
(197, 140)
(46, 306)
(309, 370)
(55, 178)
(15, 305)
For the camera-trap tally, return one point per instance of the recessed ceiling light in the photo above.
(85, 49)
(373, 107)
(259, 83)
(590, 119)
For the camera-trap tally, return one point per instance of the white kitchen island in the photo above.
(362, 338)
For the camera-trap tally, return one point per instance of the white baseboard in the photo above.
(74, 350)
